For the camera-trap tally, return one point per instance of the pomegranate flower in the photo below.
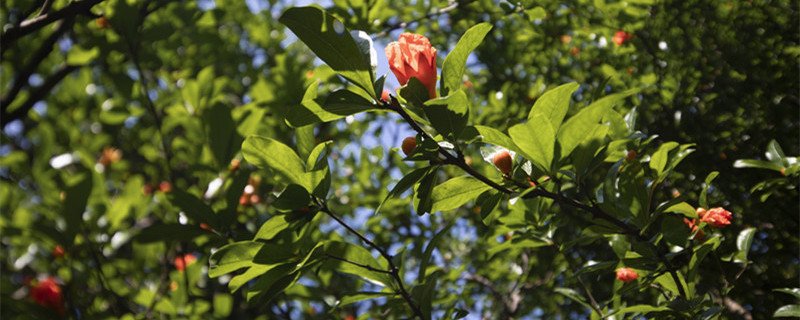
(48, 293)
(692, 224)
(413, 56)
(716, 217)
(620, 37)
(626, 275)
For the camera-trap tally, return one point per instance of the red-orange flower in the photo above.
(413, 56)
(58, 251)
(385, 95)
(692, 224)
(717, 217)
(626, 275)
(182, 261)
(48, 293)
(621, 37)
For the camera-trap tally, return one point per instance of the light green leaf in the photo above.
(360, 296)
(536, 139)
(455, 192)
(792, 291)
(268, 153)
(743, 243)
(455, 62)
(703, 201)
(790, 310)
(331, 42)
(683, 208)
(759, 164)
(272, 227)
(342, 257)
(493, 136)
(554, 104)
(79, 56)
(658, 161)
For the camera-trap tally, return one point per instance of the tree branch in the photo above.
(21, 77)
(73, 9)
(394, 271)
(36, 95)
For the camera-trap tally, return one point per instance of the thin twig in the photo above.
(73, 9)
(394, 271)
(403, 24)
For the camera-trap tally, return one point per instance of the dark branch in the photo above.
(394, 271)
(69, 12)
(36, 95)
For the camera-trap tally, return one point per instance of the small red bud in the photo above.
(502, 160)
(630, 156)
(244, 200)
(102, 23)
(408, 145)
(58, 252)
(165, 187)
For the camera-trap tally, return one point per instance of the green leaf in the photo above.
(268, 153)
(426, 256)
(743, 243)
(574, 295)
(422, 192)
(666, 281)
(703, 201)
(79, 187)
(223, 305)
(171, 232)
(495, 137)
(272, 227)
(792, 291)
(683, 208)
(223, 138)
(448, 115)
(292, 198)
(775, 154)
(536, 139)
(404, 184)
(642, 308)
(271, 282)
(233, 257)
(193, 207)
(791, 310)
(343, 256)
(79, 56)
(758, 164)
(304, 137)
(554, 104)
(537, 13)
(415, 92)
(318, 30)
(578, 127)
(361, 296)
(455, 192)
(658, 161)
(337, 105)
(455, 62)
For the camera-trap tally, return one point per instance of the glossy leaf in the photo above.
(554, 104)
(536, 139)
(318, 30)
(455, 62)
(448, 115)
(455, 192)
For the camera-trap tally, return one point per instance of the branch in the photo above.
(596, 211)
(21, 77)
(36, 95)
(43, 18)
(393, 269)
(357, 264)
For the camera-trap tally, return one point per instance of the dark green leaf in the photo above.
(404, 184)
(448, 115)
(415, 92)
(703, 201)
(233, 257)
(318, 30)
(171, 232)
(194, 208)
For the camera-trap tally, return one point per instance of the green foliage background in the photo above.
(177, 88)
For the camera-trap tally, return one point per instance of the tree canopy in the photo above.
(513, 159)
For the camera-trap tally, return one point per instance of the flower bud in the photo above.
(413, 56)
(717, 217)
(502, 160)
(626, 275)
(408, 145)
